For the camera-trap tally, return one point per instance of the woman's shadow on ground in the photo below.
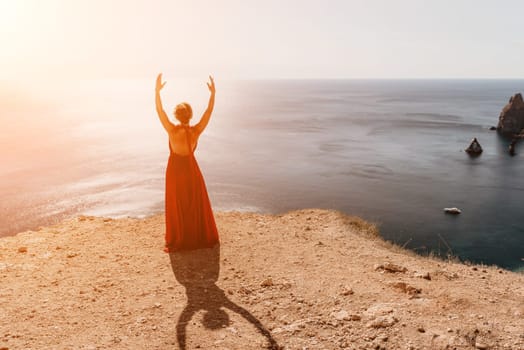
(198, 271)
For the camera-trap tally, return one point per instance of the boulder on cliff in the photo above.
(511, 119)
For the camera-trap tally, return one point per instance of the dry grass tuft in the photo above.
(356, 224)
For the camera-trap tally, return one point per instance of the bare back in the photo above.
(178, 134)
(178, 140)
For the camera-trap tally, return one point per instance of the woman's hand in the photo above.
(201, 125)
(159, 84)
(211, 85)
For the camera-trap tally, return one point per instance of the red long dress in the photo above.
(190, 223)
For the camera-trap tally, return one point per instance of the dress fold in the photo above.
(190, 223)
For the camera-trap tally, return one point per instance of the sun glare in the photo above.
(11, 25)
(9, 14)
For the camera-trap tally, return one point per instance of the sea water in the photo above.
(390, 151)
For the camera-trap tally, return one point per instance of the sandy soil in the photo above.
(309, 279)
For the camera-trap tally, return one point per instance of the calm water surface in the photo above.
(389, 151)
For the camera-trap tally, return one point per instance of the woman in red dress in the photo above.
(189, 218)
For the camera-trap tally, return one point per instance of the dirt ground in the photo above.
(308, 279)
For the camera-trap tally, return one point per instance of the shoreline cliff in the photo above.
(311, 278)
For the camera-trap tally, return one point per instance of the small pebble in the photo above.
(481, 346)
(268, 282)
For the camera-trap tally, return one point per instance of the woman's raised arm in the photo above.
(207, 114)
(158, 102)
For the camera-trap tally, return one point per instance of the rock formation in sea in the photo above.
(511, 147)
(474, 147)
(453, 210)
(511, 119)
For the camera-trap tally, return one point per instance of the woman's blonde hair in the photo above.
(183, 112)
